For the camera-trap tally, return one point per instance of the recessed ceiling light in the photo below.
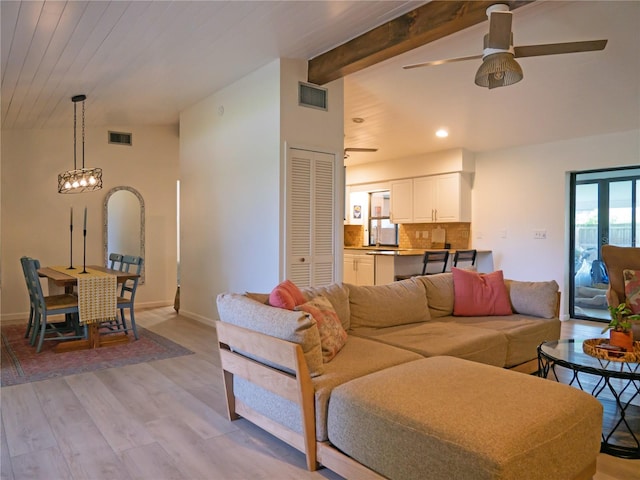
(357, 120)
(442, 133)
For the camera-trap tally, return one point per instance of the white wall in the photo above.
(231, 170)
(35, 217)
(230, 192)
(519, 190)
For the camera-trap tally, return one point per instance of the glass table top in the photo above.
(570, 351)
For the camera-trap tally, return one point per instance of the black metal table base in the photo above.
(617, 391)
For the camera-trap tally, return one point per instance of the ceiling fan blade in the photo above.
(500, 30)
(440, 62)
(557, 48)
(360, 149)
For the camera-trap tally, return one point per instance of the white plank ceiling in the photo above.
(142, 62)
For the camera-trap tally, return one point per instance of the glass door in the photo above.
(605, 209)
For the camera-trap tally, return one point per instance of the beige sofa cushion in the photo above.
(380, 306)
(523, 333)
(440, 295)
(297, 327)
(357, 358)
(338, 295)
(434, 338)
(539, 299)
(444, 418)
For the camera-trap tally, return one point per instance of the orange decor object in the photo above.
(621, 339)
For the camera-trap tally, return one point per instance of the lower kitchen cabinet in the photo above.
(359, 268)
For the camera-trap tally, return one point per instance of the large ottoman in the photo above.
(448, 418)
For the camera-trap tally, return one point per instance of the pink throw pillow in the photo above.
(332, 334)
(477, 294)
(286, 295)
(632, 289)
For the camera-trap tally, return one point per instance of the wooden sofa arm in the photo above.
(235, 344)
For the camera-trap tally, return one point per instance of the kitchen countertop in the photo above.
(395, 251)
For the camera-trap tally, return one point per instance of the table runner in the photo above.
(97, 297)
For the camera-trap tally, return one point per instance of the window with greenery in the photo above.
(381, 231)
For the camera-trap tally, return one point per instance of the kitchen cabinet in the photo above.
(359, 268)
(401, 209)
(433, 199)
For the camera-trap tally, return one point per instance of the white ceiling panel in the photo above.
(142, 62)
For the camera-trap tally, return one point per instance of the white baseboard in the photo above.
(198, 318)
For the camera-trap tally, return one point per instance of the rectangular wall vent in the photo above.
(120, 138)
(312, 96)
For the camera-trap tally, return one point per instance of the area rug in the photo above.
(21, 363)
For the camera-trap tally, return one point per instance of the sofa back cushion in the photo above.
(539, 299)
(293, 326)
(338, 295)
(439, 294)
(380, 306)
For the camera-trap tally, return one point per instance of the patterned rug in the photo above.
(21, 363)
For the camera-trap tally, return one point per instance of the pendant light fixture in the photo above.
(82, 179)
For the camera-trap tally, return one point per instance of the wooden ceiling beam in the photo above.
(431, 21)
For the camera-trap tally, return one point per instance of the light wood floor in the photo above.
(162, 420)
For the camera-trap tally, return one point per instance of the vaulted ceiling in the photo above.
(142, 62)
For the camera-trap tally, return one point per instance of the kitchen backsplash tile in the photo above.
(420, 235)
(353, 235)
(457, 234)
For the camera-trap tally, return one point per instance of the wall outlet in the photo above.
(503, 233)
(417, 234)
(540, 234)
(425, 234)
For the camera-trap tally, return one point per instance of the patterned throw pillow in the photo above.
(332, 335)
(477, 294)
(286, 295)
(632, 289)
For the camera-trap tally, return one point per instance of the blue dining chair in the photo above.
(46, 306)
(128, 292)
(31, 325)
(115, 261)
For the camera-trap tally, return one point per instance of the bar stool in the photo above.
(465, 256)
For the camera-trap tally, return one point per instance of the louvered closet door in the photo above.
(310, 217)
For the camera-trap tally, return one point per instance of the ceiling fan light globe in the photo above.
(498, 70)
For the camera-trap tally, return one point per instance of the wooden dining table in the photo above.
(94, 339)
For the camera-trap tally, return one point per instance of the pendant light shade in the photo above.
(82, 179)
(498, 70)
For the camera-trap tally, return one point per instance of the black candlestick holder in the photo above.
(84, 254)
(71, 267)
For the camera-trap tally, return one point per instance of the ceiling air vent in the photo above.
(312, 96)
(120, 138)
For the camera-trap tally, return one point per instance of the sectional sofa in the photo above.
(282, 373)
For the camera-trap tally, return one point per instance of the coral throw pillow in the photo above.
(332, 334)
(286, 295)
(632, 289)
(477, 294)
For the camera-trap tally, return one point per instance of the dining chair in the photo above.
(47, 306)
(128, 292)
(115, 261)
(31, 327)
(465, 256)
(430, 258)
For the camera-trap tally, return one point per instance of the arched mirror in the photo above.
(124, 224)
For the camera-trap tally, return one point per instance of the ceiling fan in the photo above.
(347, 150)
(499, 67)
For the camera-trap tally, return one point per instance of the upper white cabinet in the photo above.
(401, 210)
(433, 199)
